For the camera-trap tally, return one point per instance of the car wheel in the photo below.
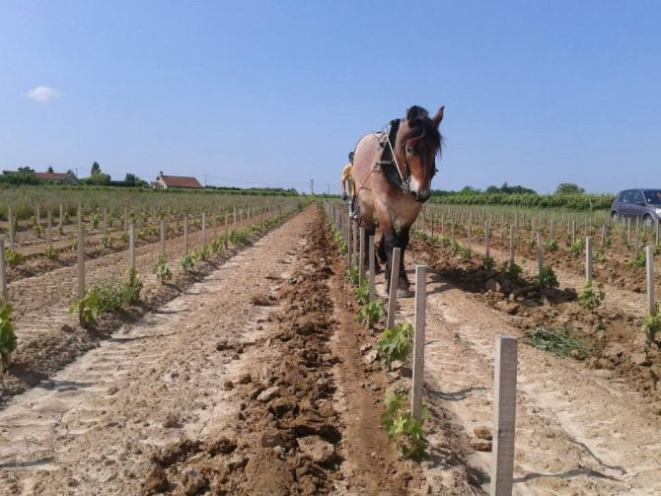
(615, 216)
(647, 220)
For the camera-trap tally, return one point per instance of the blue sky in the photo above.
(277, 93)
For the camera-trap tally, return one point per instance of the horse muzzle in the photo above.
(421, 197)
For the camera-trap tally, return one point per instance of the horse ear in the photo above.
(438, 117)
(415, 113)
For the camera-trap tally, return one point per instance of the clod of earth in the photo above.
(317, 449)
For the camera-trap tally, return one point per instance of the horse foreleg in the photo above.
(403, 242)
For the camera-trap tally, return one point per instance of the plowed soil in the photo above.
(254, 381)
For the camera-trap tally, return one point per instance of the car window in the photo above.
(653, 196)
(625, 197)
(637, 197)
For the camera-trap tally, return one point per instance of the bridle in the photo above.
(403, 171)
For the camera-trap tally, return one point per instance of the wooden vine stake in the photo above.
(349, 245)
(502, 462)
(186, 235)
(227, 231)
(49, 230)
(3, 273)
(650, 280)
(132, 246)
(371, 254)
(487, 235)
(588, 259)
(394, 280)
(512, 245)
(419, 341)
(81, 263)
(540, 254)
(162, 238)
(361, 258)
(12, 237)
(204, 230)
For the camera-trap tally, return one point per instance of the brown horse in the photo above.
(393, 171)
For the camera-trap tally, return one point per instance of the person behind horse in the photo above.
(348, 183)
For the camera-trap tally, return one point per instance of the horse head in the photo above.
(417, 143)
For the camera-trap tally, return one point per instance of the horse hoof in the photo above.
(404, 293)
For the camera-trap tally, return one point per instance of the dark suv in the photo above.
(645, 203)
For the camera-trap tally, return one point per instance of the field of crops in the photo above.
(584, 202)
(233, 345)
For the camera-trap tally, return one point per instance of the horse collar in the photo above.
(401, 176)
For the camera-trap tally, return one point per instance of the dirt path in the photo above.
(91, 428)
(577, 433)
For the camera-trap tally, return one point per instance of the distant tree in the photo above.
(569, 189)
(133, 180)
(50, 169)
(469, 189)
(24, 175)
(493, 189)
(70, 172)
(99, 179)
(96, 169)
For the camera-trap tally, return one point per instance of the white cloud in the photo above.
(42, 94)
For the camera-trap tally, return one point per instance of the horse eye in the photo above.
(410, 150)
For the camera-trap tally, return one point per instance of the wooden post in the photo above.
(163, 238)
(49, 229)
(540, 254)
(629, 232)
(361, 255)
(487, 234)
(604, 233)
(227, 231)
(502, 461)
(588, 259)
(186, 235)
(394, 282)
(419, 341)
(81, 263)
(512, 245)
(636, 248)
(371, 254)
(3, 272)
(573, 233)
(650, 280)
(204, 230)
(12, 237)
(349, 246)
(234, 218)
(132, 246)
(61, 215)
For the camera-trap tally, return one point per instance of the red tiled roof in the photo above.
(180, 182)
(52, 176)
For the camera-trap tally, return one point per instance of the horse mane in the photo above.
(423, 130)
